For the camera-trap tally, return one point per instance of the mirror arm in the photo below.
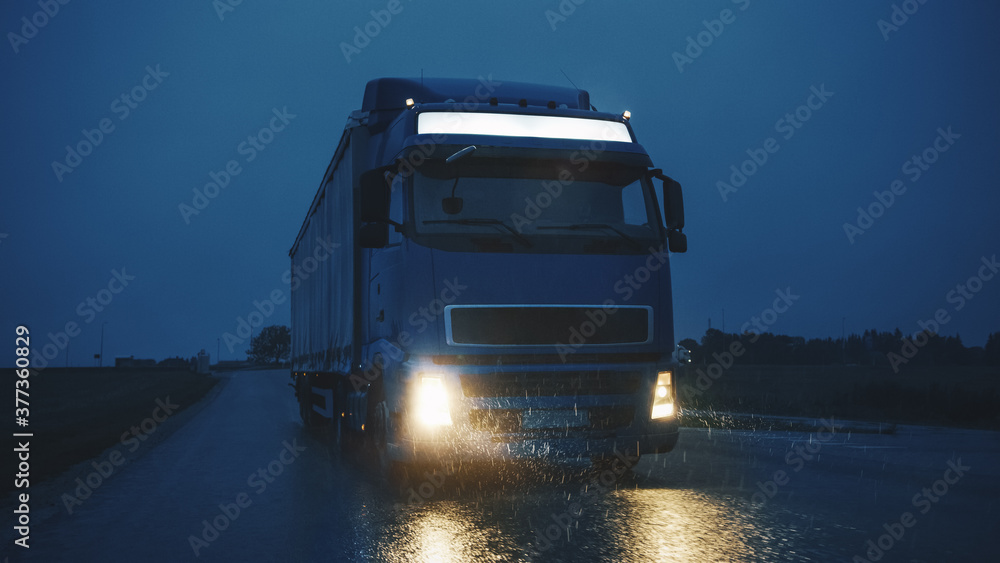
(398, 227)
(659, 175)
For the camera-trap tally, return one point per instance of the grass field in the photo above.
(949, 396)
(77, 413)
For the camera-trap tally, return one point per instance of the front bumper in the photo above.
(453, 447)
(535, 412)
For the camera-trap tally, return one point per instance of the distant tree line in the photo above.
(870, 348)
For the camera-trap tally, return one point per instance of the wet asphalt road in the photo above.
(720, 496)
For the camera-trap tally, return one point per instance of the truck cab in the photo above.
(501, 280)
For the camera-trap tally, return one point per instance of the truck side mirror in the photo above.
(374, 204)
(673, 204)
(374, 196)
(677, 241)
(673, 214)
(373, 235)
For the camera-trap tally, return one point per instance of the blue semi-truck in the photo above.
(484, 274)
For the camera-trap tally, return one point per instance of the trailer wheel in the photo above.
(303, 392)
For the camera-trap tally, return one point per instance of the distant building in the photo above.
(131, 362)
(202, 362)
(175, 363)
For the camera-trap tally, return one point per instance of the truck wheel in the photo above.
(309, 416)
(377, 435)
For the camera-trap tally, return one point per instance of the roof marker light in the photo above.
(627, 115)
(409, 102)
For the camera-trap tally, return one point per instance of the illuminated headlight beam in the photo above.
(663, 396)
(432, 401)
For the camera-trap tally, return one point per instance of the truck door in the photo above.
(383, 273)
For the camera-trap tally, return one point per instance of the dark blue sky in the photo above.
(206, 85)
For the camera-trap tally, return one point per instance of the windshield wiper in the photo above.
(494, 222)
(592, 227)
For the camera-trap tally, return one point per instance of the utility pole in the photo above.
(101, 359)
(843, 341)
(725, 344)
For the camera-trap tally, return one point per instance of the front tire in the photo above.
(377, 428)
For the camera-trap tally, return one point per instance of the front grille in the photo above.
(498, 421)
(609, 418)
(547, 325)
(576, 358)
(550, 383)
(508, 421)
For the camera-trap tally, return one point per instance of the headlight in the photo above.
(663, 396)
(432, 401)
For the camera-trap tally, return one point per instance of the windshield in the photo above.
(554, 206)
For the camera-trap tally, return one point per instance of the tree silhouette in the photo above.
(272, 345)
(992, 357)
